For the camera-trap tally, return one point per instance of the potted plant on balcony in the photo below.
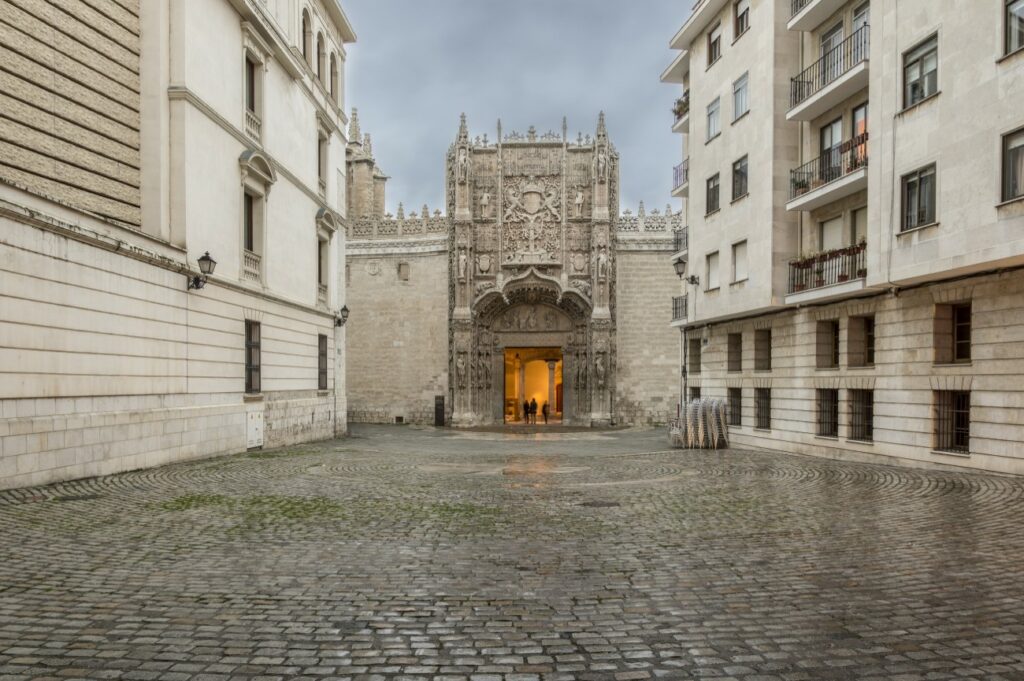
(800, 186)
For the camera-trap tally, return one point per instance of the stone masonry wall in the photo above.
(397, 336)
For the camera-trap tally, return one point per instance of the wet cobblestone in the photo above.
(406, 553)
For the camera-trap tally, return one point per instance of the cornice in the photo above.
(396, 247)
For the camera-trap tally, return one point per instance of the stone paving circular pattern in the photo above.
(414, 553)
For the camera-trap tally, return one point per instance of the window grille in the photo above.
(735, 406)
(828, 412)
(862, 415)
(953, 421)
(252, 356)
(763, 408)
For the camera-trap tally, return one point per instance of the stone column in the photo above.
(551, 386)
(521, 391)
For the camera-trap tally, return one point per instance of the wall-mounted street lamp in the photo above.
(680, 268)
(342, 316)
(206, 265)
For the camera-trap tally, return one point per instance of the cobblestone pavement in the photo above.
(407, 553)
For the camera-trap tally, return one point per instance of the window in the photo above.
(321, 163)
(735, 406)
(763, 350)
(694, 394)
(693, 355)
(739, 261)
(321, 378)
(735, 352)
(712, 271)
(250, 85)
(711, 199)
(919, 198)
(921, 72)
(827, 354)
(739, 178)
(860, 225)
(321, 57)
(862, 415)
(763, 408)
(307, 38)
(828, 412)
(740, 97)
(403, 271)
(830, 234)
(252, 356)
(321, 262)
(953, 421)
(714, 44)
(1014, 25)
(714, 123)
(249, 222)
(1013, 163)
(741, 14)
(861, 342)
(952, 333)
(334, 79)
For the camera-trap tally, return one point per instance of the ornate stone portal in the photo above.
(532, 264)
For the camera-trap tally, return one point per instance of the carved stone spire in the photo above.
(463, 130)
(565, 128)
(602, 132)
(367, 145)
(401, 211)
(354, 135)
(641, 211)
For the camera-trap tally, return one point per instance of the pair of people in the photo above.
(530, 411)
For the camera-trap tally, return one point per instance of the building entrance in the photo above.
(533, 374)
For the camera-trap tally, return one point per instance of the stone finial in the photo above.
(602, 131)
(426, 212)
(367, 145)
(353, 127)
(499, 131)
(401, 211)
(668, 209)
(531, 134)
(565, 128)
(463, 129)
(437, 212)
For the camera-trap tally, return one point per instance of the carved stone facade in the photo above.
(532, 239)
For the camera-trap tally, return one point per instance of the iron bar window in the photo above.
(919, 198)
(962, 332)
(678, 308)
(763, 408)
(694, 394)
(828, 412)
(682, 239)
(252, 356)
(953, 421)
(862, 415)
(322, 362)
(735, 406)
(763, 350)
(827, 344)
(735, 352)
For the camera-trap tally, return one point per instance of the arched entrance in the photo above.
(533, 376)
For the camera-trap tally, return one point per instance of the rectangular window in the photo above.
(714, 44)
(763, 408)
(321, 380)
(714, 119)
(321, 262)
(741, 13)
(740, 97)
(1013, 162)
(739, 178)
(693, 358)
(827, 337)
(763, 350)
(403, 271)
(828, 412)
(862, 415)
(1014, 25)
(252, 356)
(711, 200)
(249, 222)
(739, 261)
(712, 271)
(919, 198)
(694, 394)
(953, 421)
(321, 163)
(735, 352)
(735, 406)
(921, 72)
(952, 334)
(250, 85)
(861, 342)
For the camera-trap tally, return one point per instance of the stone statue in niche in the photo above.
(462, 264)
(485, 205)
(463, 165)
(599, 370)
(602, 264)
(579, 202)
(581, 371)
(601, 163)
(460, 369)
(550, 321)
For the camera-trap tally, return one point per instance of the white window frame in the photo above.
(714, 119)
(741, 86)
(736, 278)
(713, 283)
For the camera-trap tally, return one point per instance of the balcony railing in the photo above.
(834, 164)
(253, 125)
(831, 66)
(825, 269)
(679, 308)
(321, 294)
(797, 6)
(682, 239)
(681, 106)
(681, 174)
(250, 266)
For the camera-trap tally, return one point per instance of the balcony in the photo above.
(253, 125)
(682, 242)
(681, 179)
(842, 271)
(807, 15)
(837, 76)
(681, 113)
(838, 173)
(250, 267)
(321, 294)
(678, 310)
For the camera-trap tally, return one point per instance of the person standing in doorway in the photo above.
(526, 411)
(544, 410)
(533, 410)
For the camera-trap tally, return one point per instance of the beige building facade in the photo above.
(515, 295)
(133, 141)
(884, 321)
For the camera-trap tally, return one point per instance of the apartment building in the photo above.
(172, 179)
(850, 274)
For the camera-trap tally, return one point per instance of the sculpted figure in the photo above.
(579, 202)
(485, 205)
(512, 204)
(602, 264)
(460, 369)
(463, 164)
(602, 165)
(599, 370)
(551, 203)
(462, 264)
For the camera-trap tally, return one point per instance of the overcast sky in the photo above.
(419, 63)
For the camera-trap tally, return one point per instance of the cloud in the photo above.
(420, 63)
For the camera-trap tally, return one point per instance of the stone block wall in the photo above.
(397, 336)
(646, 384)
(70, 129)
(904, 378)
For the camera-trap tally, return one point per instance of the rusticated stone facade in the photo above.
(534, 254)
